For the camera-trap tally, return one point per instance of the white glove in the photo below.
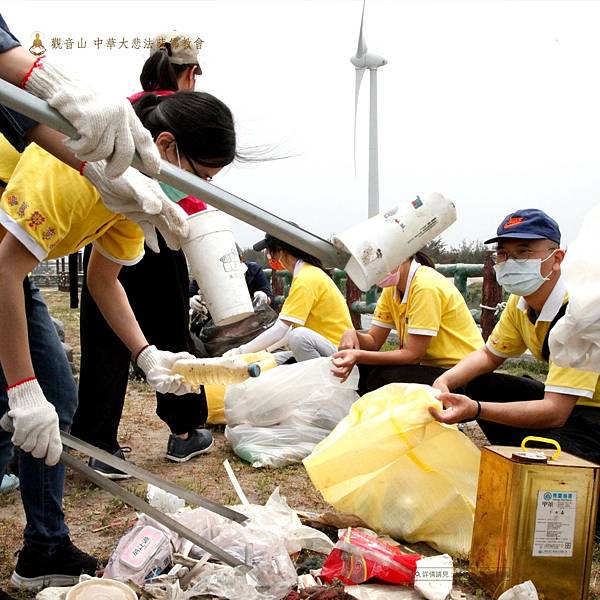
(157, 365)
(34, 422)
(259, 298)
(199, 306)
(233, 352)
(142, 200)
(108, 127)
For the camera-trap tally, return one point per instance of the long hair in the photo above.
(158, 73)
(201, 124)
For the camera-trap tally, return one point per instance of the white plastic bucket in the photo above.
(380, 244)
(215, 264)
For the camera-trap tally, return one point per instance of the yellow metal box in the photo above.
(534, 520)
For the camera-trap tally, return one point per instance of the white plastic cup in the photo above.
(211, 252)
(101, 589)
(380, 244)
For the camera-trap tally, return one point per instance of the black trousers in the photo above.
(157, 288)
(578, 436)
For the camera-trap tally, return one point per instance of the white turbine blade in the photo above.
(362, 46)
(359, 76)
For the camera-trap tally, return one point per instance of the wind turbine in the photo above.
(363, 60)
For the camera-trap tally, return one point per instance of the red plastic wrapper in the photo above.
(360, 555)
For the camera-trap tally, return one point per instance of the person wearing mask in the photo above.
(314, 315)
(566, 407)
(434, 325)
(48, 210)
(157, 289)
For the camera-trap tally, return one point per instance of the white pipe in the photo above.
(373, 150)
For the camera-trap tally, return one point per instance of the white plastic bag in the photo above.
(523, 591)
(575, 339)
(279, 417)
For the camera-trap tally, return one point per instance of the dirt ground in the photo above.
(97, 520)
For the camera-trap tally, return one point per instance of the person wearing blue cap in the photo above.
(566, 407)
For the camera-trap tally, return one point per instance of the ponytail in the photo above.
(201, 124)
(158, 73)
(424, 259)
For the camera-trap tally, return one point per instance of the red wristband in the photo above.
(37, 63)
(83, 166)
(14, 385)
(138, 354)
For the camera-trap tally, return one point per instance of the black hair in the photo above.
(424, 259)
(275, 245)
(201, 124)
(158, 73)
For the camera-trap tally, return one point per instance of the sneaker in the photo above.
(108, 471)
(36, 570)
(199, 442)
(9, 483)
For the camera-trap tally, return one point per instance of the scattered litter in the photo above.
(434, 577)
(523, 591)
(278, 418)
(52, 593)
(318, 592)
(164, 501)
(403, 473)
(142, 553)
(360, 556)
(373, 591)
(235, 483)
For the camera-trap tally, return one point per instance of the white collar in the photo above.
(552, 304)
(414, 265)
(299, 264)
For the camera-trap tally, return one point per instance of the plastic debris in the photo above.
(374, 591)
(164, 501)
(434, 577)
(359, 556)
(523, 591)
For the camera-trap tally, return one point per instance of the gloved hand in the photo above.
(259, 298)
(142, 200)
(157, 365)
(199, 306)
(108, 127)
(34, 422)
(233, 352)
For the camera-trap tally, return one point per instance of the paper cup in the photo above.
(380, 244)
(211, 252)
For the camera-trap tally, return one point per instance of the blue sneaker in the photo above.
(199, 442)
(9, 483)
(108, 471)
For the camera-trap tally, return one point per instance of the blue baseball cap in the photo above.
(527, 224)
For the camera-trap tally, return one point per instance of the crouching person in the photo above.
(567, 407)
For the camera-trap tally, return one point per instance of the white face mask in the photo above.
(522, 278)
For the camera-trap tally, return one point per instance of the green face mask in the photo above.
(172, 193)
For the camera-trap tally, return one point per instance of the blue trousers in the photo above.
(42, 486)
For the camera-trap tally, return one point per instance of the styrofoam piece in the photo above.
(523, 591)
(214, 261)
(164, 501)
(381, 592)
(434, 577)
(380, 244)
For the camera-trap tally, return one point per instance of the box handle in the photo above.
(535, 438)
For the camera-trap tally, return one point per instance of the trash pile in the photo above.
(403, 473)
(278, 418)
(272, 545)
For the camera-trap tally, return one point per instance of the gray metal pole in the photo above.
(38, 109)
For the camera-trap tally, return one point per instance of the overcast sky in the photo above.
(493, 104)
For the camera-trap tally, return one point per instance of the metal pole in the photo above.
(38, 109)
(373, 147)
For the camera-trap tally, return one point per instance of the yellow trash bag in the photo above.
(403, 473)
(215, 394)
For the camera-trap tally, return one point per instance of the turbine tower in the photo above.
(362, 60)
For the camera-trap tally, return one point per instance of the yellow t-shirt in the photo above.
(315, 302)
(514, 333)
(431, 306)
(9, 157)
(54, 211)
